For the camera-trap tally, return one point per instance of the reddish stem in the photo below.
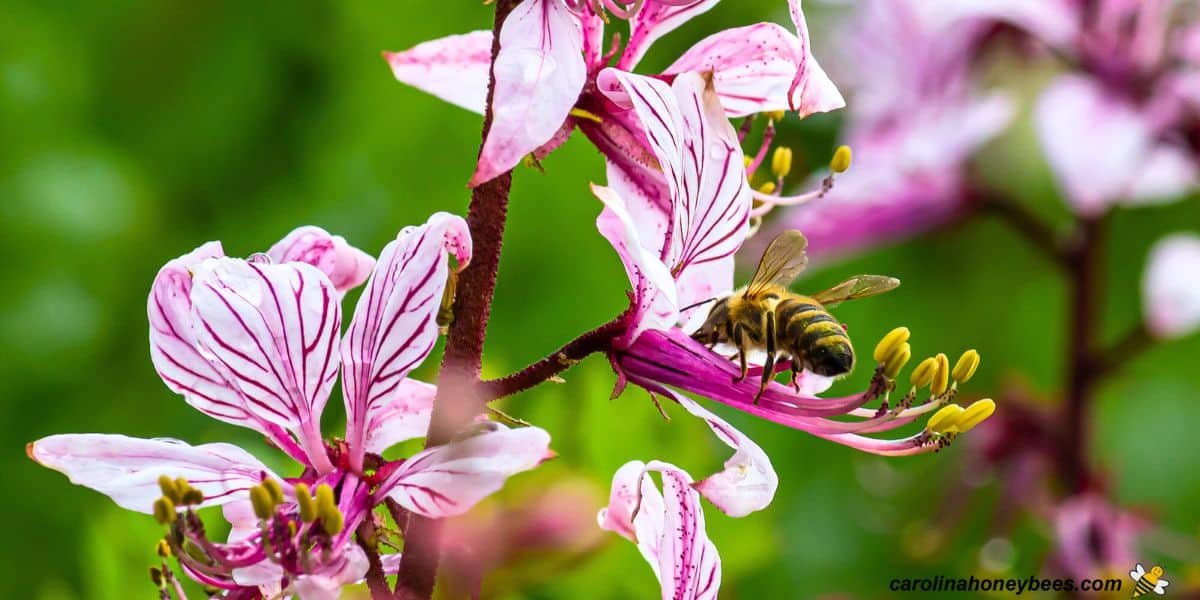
(1083, 264)
(459, 396)
(597, 340)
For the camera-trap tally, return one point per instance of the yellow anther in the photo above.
(156, 577)
(163, 549)
(975, 414)
(767, 187)
(841, 159)
(890, 344)
(776, 115)
(260, 499)
(583, 114)
(941, 377)
(191, 496)
(945, 420)
(167, 485)
(923, 374)
(164, 510)
(965, 367)
(897, 361)
(781, 161)
(275, 490)
(746, 160)
(333, 522)
(325, 502)
(304, 500)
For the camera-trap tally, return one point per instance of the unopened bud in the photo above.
(164, 510)
(890, 344)
(945, 420)
(304, 500)
(975, 414)
(965, 367)
(923, 374)
(781, 161)
(941, 377)
(897, 361)
(841, 159)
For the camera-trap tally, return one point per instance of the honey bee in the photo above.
(1148, 581)
(766, 315)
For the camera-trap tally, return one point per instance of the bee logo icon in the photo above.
(1147, 581)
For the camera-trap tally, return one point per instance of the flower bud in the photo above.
(923, 374)
(965, 367)
(781, 161)
(975, 414)
(945, 420)
(890, 344)
(841, 159)
(164, 510)
(941, 377)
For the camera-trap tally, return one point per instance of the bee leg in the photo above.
(796, 374)
(769, 366)
(737, 340)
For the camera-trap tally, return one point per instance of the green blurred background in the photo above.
(134, 131)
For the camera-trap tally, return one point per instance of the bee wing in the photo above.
(1160, 587)
(1138, 572)
(782, 262)
(860, 286)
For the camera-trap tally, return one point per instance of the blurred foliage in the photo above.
(134, 131)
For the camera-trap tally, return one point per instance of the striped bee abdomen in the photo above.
(814, 337)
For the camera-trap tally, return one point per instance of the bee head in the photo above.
(831, 360)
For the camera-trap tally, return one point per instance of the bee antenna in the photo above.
(691, 306)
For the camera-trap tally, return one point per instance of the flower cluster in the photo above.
(257, 343)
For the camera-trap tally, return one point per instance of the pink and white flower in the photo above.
(552, 51)
(675, 258)
(1115, 131)
(258, 343)
(1170, 296)
(915, 119)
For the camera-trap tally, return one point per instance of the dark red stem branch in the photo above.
(459, 396)
(597, 340)
(1084, 313)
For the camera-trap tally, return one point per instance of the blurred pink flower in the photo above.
(914, 120)
(1170, 294)
(1094, 538)
(1114, 131)
(257, 343)
(551, 52)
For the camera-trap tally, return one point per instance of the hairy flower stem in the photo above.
(458, 398)
(597, 340)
